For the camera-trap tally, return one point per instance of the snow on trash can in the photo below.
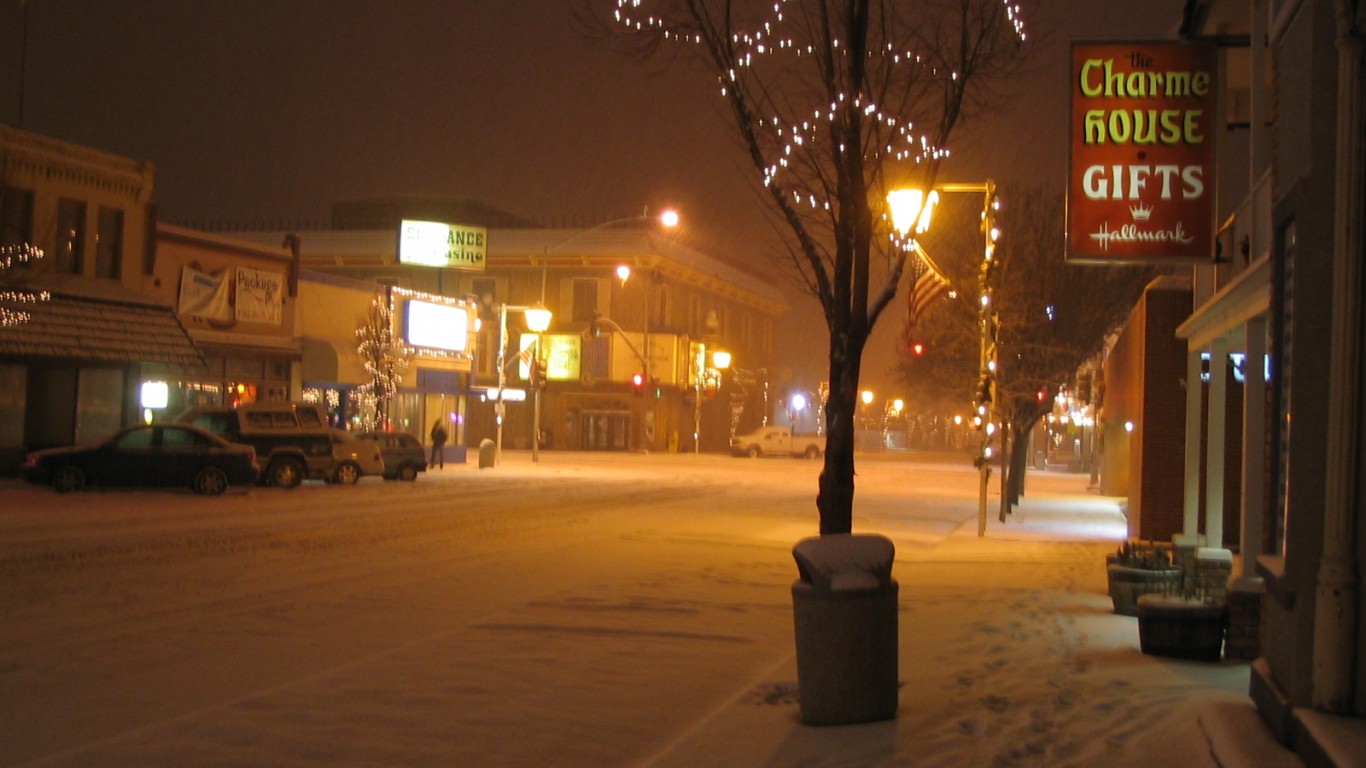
(488, 453)
(845, 617)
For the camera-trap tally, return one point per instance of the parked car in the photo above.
(292, 440)
(166, 455)
(354, 457)
(777, 441)
(403, 453)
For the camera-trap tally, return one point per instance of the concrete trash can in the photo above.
(845, 618)
(488, 453)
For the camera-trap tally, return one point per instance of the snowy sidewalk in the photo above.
(1009, 656)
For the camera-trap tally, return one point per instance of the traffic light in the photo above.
(917, 348)
(638, 384)
(658, 390)
(595, 326)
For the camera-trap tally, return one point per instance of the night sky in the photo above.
(260, 112)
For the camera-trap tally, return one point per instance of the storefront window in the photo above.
(12, 400)
(99, 403)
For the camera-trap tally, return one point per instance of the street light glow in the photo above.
(867, 397)
(669, 218)
(537, 318)
(721, 359)
(910, 207)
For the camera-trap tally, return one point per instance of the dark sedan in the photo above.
(403, 454)
(149, 455)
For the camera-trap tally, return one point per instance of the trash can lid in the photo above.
(845, 561)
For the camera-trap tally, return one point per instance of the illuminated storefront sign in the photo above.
(436, 326)
(437, 244)
(1143, 128)
(561, 352)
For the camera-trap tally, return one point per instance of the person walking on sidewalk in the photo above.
(438, 445)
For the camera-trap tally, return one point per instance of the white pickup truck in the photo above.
(777, 441)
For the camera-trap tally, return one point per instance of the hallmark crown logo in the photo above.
(1141, 212)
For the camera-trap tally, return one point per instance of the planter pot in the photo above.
(1181, 628)
(1127, 585)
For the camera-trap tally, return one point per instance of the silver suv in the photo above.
(292, 440)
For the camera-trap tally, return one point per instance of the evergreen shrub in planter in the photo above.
(1139, 569)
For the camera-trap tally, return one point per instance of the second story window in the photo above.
(16, 216)
(585, 300)
(70, 236)
(109, 243)
(485, 290)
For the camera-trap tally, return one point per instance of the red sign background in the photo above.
(1143, 129)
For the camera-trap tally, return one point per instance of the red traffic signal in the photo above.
(918, 348)
(638, 383)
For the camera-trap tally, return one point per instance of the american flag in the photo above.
(927, 284)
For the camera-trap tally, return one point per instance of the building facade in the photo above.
(1284, 307)
(75, 370)
(629, 357)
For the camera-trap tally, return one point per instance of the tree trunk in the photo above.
(1019, 462)
(835, 501)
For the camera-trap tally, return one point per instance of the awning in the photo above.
(320, 360)
(224, 344)
(1244, 298)
(93, 330)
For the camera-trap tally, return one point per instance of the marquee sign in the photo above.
(1143, 127)
(439, 244)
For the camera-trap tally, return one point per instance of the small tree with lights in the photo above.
(15, 302)
(385, 358)
(836, 101)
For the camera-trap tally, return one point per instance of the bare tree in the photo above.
(385, 358)
(834, 102)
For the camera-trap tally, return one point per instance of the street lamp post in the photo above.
(538, 320)
(624, 274)
(912, 209)
(667, 219)
(721, 360)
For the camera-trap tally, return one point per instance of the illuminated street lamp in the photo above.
(721, 360)
(538, 321)
(624, 274)
(668, 219)
(912, 208)
(536, 317)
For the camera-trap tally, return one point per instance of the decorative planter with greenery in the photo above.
(1181, 627)
(1137, 569)
(1189, 621)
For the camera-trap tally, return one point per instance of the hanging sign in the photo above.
(1143, 127)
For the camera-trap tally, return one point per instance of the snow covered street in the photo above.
(590, 610)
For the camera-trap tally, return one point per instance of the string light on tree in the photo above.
(11, 256)
(768, 37)
(385, 358)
